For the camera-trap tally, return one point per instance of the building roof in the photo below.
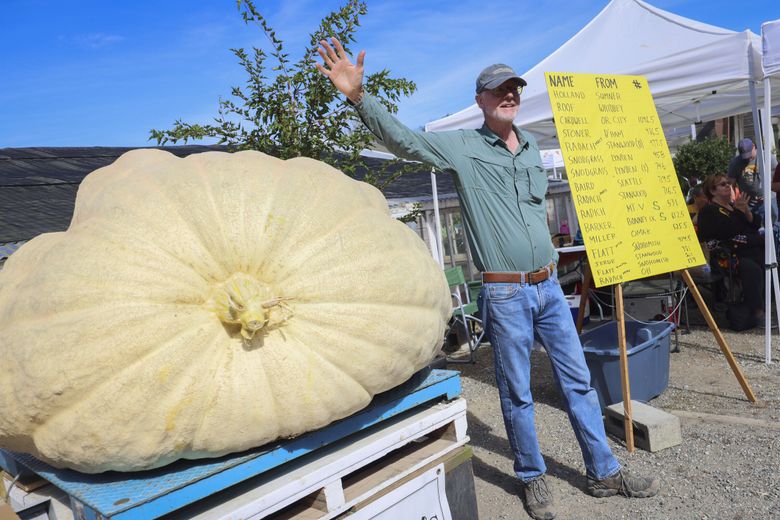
(38, 185)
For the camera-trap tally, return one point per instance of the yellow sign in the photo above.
(629, 205)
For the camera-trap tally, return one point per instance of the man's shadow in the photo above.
(481, 436)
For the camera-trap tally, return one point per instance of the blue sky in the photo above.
(103, 73)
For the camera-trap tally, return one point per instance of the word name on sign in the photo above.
(560, 80)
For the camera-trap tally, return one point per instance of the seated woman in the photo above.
(729, 221)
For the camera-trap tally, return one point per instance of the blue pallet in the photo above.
(153, 493)
(8, 248)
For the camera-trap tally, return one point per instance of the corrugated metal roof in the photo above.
(38, 185)
(30, 166)
(28, 211)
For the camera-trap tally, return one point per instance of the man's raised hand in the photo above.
(336, 65)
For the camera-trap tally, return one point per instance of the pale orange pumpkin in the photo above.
(207, 305)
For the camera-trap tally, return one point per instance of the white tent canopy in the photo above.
(696, 71)
(770, 35)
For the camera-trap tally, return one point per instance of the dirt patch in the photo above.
(727, 467)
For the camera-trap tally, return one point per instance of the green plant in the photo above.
(702, 158)
(292, 110)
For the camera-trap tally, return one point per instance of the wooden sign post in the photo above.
(631, 210)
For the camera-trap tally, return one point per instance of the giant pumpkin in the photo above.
(207, 305)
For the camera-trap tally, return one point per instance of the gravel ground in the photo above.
(727, 467)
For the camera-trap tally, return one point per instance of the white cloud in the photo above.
(98, 40)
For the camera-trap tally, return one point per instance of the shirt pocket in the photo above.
(537, 184)
(492, 174)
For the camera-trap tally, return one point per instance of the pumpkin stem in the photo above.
(242, 300)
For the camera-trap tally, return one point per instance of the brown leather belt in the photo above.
(532, 277)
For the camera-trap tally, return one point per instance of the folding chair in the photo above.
(464, 326)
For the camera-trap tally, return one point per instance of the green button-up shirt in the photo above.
(501, 193)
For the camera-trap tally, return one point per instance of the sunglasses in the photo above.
(503, 91)
(724, 183)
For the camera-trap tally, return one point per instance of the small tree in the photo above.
(293, 110)
(702, 158)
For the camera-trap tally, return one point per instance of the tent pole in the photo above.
(698, 120)
(756, 120)
(770, 255)
(766, 178)
(771, 273)
(437, 227)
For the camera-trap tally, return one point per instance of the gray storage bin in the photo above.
(647, 347)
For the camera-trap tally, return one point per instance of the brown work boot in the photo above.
(538, 499)
(624, 483)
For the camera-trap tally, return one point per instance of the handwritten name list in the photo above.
(629, 204)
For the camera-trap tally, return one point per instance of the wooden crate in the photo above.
(355, 471)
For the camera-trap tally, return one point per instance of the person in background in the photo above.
(501, 185)
(776, 181)
(696, 200)
(729, 221)
(775, 187)
(747, 183)
(743, 171)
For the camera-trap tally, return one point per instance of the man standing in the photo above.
(501, 185)
(746, 152)
(748, 179)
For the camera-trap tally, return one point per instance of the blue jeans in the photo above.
(514, 314)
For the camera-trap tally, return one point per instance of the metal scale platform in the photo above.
(154, 493)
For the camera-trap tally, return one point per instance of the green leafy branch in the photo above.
(290, 109)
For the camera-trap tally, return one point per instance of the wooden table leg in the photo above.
(584, 294)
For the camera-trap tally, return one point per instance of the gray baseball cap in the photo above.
(495, 75)
(745, 148)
